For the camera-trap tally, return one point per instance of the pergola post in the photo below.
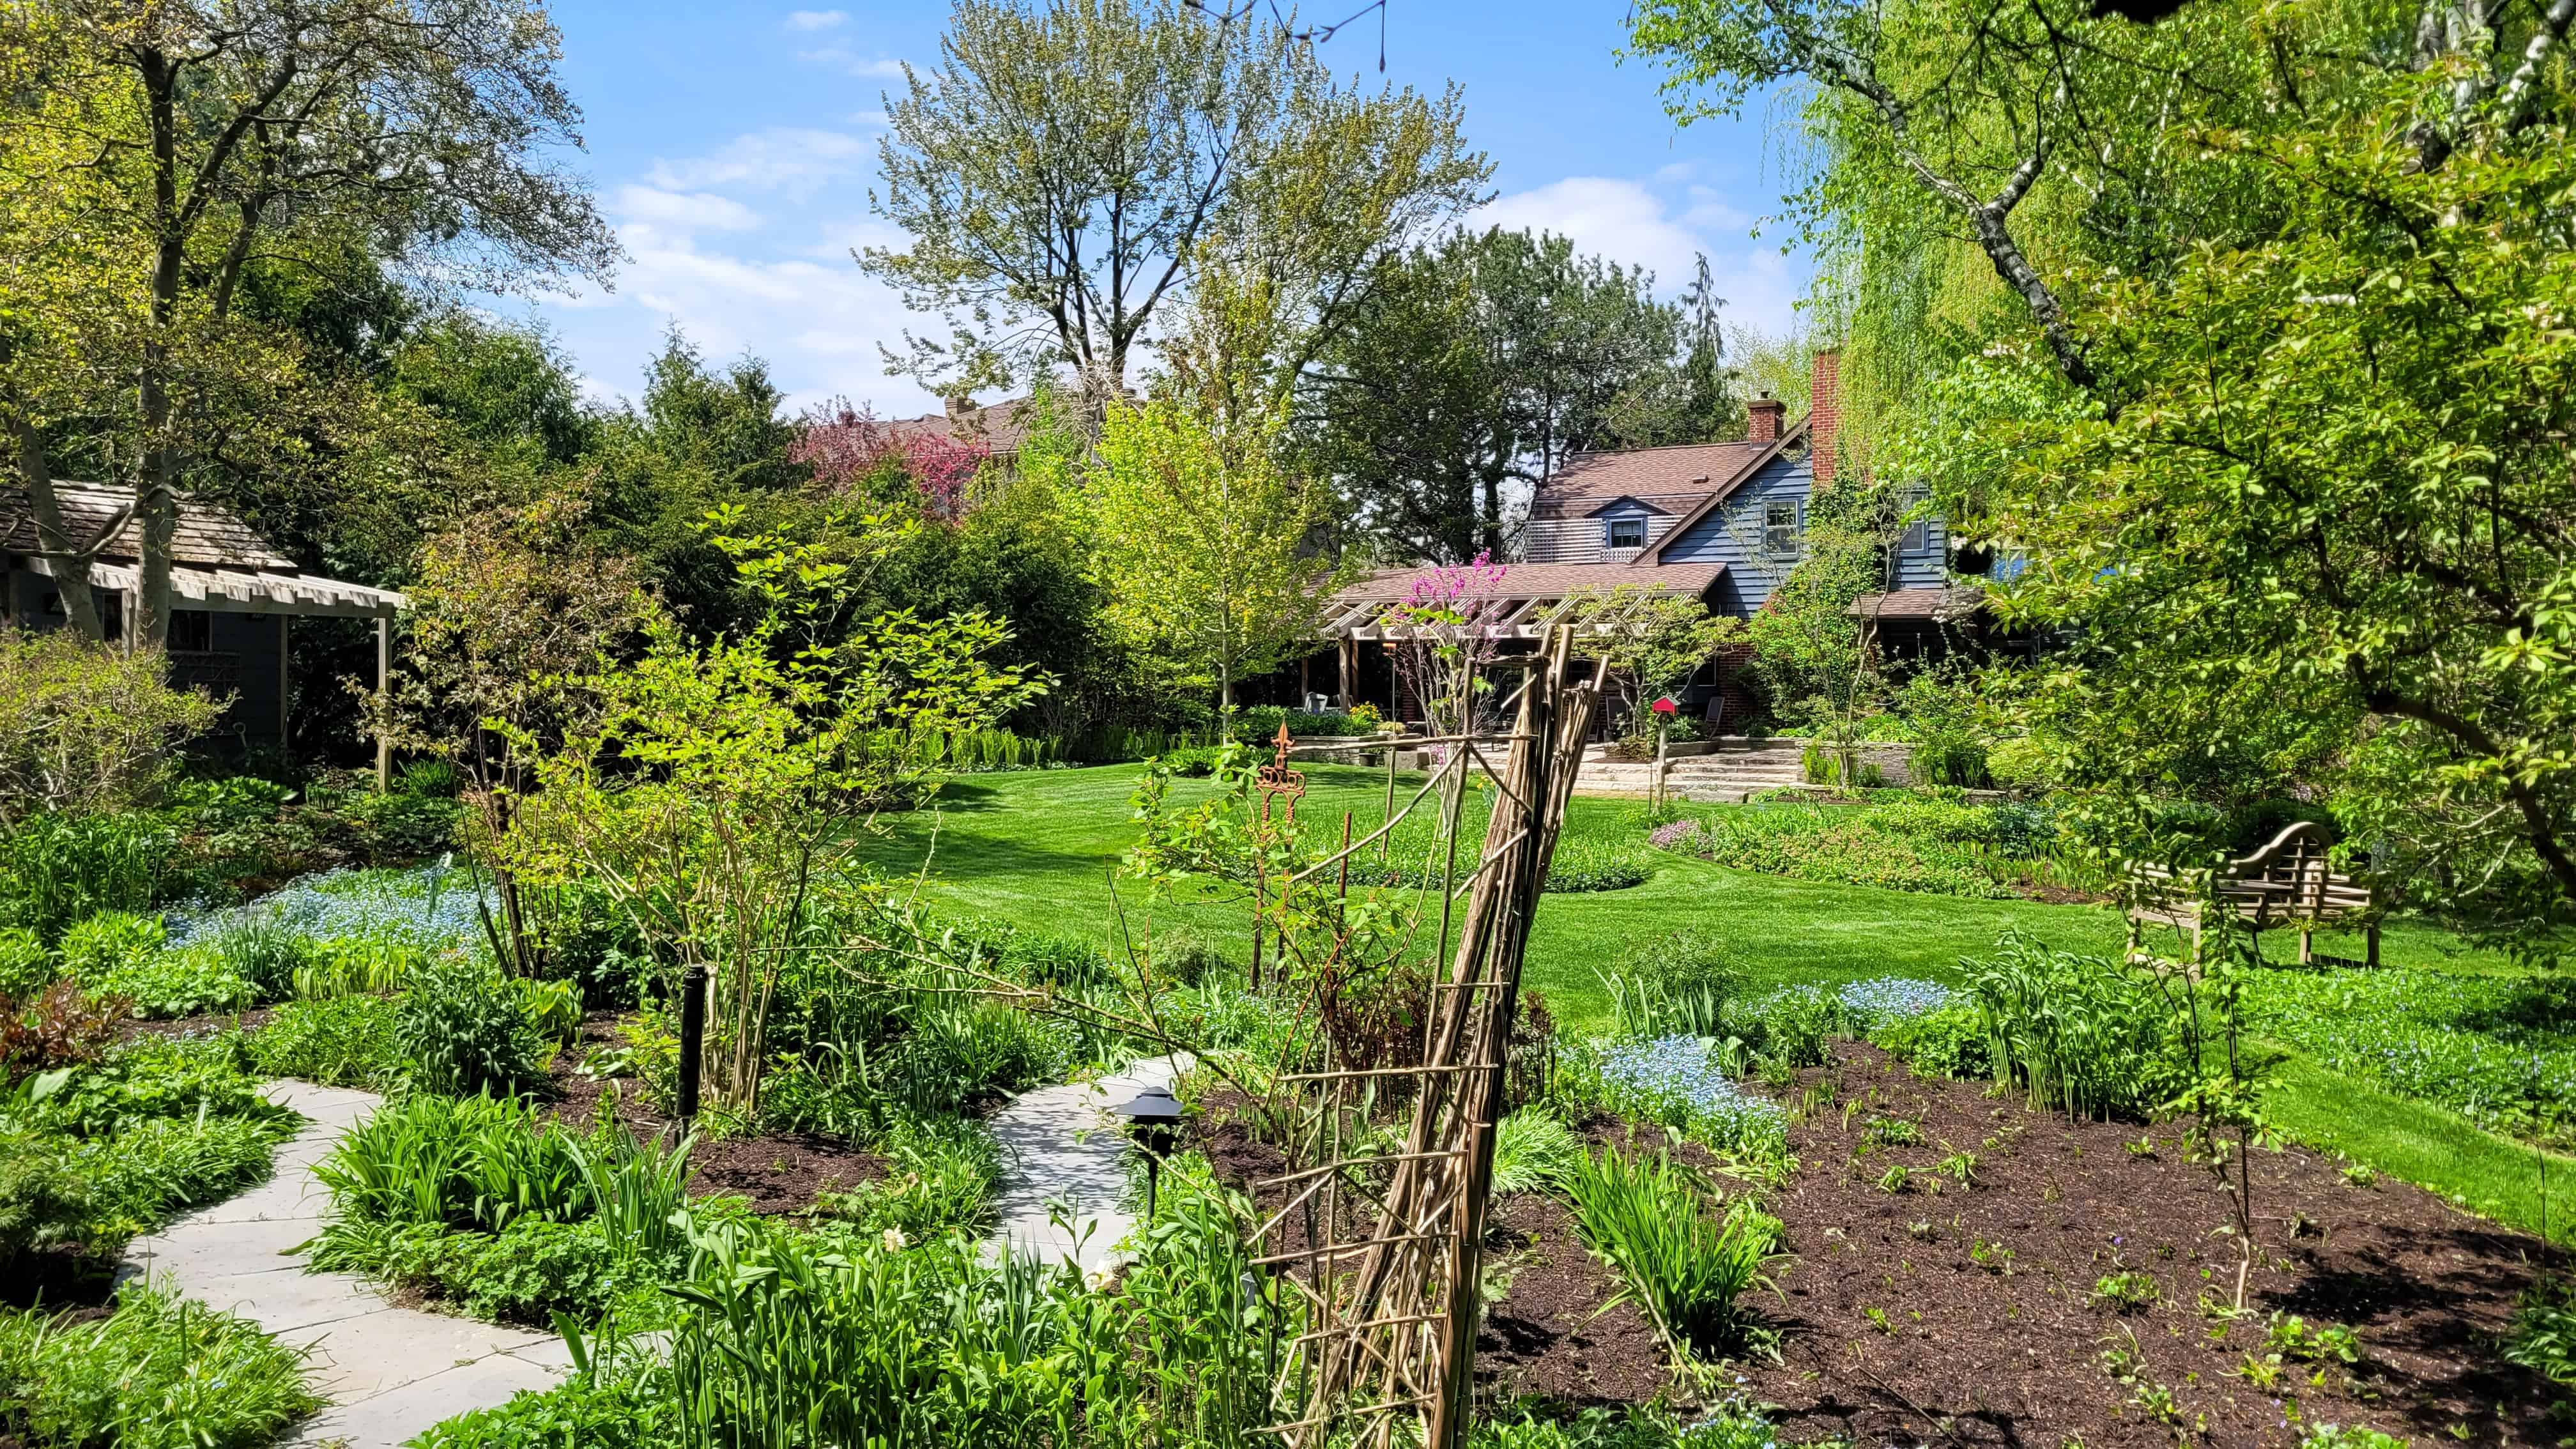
(1350, 652)
(283, 681)
(384, 682)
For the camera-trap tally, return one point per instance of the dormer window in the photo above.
(1627, 533)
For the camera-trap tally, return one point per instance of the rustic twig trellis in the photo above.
(1382, 1247)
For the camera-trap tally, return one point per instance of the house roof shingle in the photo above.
(208, 535)
(1539, 581)
(1689, 471)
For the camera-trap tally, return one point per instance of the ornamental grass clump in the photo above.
(1684, 1253)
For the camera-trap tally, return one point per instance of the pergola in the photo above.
(220, 566)
(1522, 604)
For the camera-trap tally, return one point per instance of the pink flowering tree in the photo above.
(847, 447)
(1448, 628)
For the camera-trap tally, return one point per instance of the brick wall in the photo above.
(1825, 409)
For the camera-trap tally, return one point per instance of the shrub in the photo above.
(56, 870)
(466, 1029)
(2079, 1032)
(1683, 1253)
(159, 1373)
(348, 1041)
(93, 728)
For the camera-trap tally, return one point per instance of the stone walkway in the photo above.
(1060, 1142)
(389, 1373)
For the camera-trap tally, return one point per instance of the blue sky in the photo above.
(734, 149)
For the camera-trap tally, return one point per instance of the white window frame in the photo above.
(1780, 537)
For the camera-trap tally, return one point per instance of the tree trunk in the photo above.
(156, 508)
(71, 575)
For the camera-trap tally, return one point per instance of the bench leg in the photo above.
(2372, 946)
(2307, 948)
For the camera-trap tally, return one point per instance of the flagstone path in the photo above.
(388, 1372)
(1060, 1143)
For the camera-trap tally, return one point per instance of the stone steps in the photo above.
(1726, 775)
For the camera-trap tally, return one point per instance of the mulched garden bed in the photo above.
(780, 1172)
(2012, 1351)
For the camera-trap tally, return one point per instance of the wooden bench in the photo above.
(2284, 883)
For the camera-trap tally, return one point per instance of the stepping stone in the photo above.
(1061, 1142)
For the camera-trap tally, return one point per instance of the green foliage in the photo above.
(265, 953)
(58, 870)
(2498, 1050)
(466, 1162)
(527, 1273)
(1679, 982)
(1684, 1254)
(610, 1411)
(943, 1173)
(1533, 1149)
(467, 1030)
(341, 1041)
(1923, 845)
(1203, 543)
(2124, 1292)
(2354, 1436)
(1149, 146)
(161, 1372)
(1950, 1041)
(94, 730)
(2079, 1032)
(1484, 357)
(2543, 1336)
(1723, 1426)
(26, 967)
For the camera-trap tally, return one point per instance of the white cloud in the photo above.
(684, 211)
(1628, 222)
(790, 159)
(817, 19)
(1618, 219)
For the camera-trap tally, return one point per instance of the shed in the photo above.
(233, 596)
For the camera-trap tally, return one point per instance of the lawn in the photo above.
(1039, 849)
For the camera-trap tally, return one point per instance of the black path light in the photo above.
(1154, 1121)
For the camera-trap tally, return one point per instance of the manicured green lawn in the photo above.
(1039, 849)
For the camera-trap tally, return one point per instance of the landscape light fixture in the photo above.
(1154, 1121)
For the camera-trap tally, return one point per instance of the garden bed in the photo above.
(1987, 1328)
(777, 1172)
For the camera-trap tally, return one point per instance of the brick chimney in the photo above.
(1766, 412)
(1825, 413)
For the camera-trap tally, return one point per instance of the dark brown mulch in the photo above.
(213, 1023)
(2012, 1352)
(779, 1172)
(2015, 1353)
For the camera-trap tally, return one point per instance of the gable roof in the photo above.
(1587, 479)
(1000, 428)
(1526, 599)
(218, 562)
(208, 535)
(1654, 552)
